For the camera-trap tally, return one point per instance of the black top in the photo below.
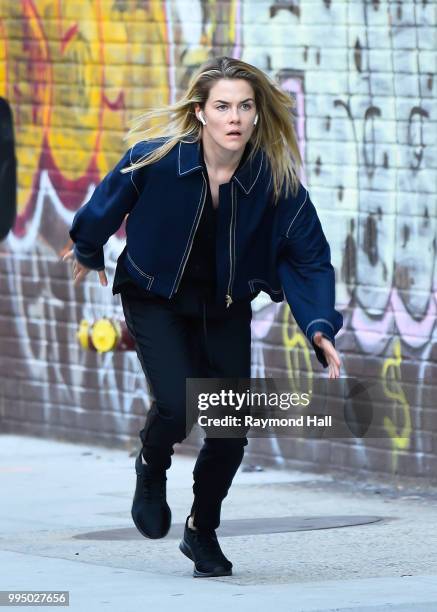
(200, 268)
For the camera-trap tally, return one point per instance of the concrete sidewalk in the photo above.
(65, 525)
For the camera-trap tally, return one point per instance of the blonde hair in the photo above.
(274, 133)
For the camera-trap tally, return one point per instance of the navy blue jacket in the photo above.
(280, 249)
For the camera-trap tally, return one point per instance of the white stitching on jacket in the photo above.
(194, 221)
(259, 280)
(132, 171)
(315, 321)
(256, 178)
(179, 163)
(151, 278)
(294, 218)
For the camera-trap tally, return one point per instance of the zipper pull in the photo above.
(228, 301)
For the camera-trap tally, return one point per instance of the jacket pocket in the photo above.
(147, 276)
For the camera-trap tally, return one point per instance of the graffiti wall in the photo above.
(362, 73)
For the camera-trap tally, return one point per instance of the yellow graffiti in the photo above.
(297, 354)
(74, 79)
(29, 85)
(233, 21)
(218, 32)
(3, 59)
(391, 377)
(78, 81)
(135, 56)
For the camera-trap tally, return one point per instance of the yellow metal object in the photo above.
(104, 335)
(82, 334)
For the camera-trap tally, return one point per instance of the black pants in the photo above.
(189, 336)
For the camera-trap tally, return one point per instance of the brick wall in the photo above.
(362, 72)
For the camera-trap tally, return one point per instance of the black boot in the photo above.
(202, 547)
(150, 511)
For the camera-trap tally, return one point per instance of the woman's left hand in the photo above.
(331, 355)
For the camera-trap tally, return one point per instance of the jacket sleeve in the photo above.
(95, 221)
(307, 275)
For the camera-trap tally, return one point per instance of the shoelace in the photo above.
(154, 488)
(207, 542)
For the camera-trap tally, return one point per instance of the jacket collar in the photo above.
(189, 161)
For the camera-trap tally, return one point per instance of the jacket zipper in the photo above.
(231, 249)
(192, 239)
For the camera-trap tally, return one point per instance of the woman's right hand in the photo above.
(80, 271)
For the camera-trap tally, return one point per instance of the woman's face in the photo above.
(230, 107)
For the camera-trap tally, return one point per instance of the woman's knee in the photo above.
(166, 421)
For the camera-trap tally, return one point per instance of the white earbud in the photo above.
(255, 121)
(201, 118)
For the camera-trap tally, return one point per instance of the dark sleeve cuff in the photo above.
(94, 260)
(327, 330)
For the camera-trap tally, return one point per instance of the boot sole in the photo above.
(152, 537)
(186, 550)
